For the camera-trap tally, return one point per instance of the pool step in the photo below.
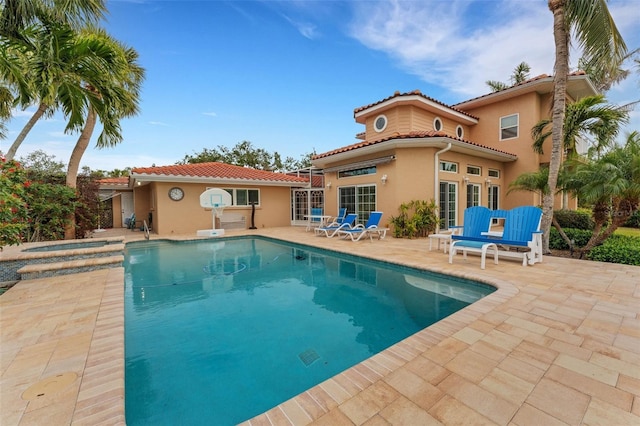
(9, 266)
(42, 270)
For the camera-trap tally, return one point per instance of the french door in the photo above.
(448, 203)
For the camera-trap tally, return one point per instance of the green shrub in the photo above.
(417, 218)
(580, 238)
(634, 220)
(618, 249)
(576, 219)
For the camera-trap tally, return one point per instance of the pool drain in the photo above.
(49, 386)
(308, 357)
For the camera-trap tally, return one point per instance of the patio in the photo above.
(558, 343)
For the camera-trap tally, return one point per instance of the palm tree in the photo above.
(537, 182)
(16, 15)
(519, 75)
(589, 116)
(603, 48)
(611, 184)
(111, 95)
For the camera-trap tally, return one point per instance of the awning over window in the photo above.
(360, 164)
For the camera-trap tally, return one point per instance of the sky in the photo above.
(287, 75)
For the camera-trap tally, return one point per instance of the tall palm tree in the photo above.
(58, 64)
(111, 95)
(602, 46)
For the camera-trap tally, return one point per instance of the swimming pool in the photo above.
(220, 331)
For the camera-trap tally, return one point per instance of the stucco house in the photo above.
(417, 148)
(413, 147)
(167, 197)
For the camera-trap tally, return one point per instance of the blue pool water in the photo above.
(220, 331)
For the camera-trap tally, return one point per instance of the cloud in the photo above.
(210, 114)
(158, 123)
(307, 29)
(458, 45)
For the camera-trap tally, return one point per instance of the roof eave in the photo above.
(413, 100)
(143, 177)
(436, 142)
(578, 86)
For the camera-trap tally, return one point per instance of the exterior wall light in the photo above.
(329, 185)
(384, 179)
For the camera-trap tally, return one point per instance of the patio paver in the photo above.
(558, 343)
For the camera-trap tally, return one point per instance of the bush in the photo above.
(634, 220)
(580, 238)
(618, 249)
(417, 219)
(576, 219)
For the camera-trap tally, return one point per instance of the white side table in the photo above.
(445, 238)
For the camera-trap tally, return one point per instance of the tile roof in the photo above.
(531, 80)
(415, 92)
(218, 170)
(410, 135)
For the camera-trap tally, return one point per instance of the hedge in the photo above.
(580, 238)
(618, 249)
(576, 219)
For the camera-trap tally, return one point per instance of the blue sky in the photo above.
(287, 76)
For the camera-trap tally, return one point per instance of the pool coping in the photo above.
(582, 357)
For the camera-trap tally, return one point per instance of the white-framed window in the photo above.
(244, 197)
(459, 131)
(494, 173)
(357, 172)
(509, 127)
(437, 124)
(474, 170)
(448, 166)
(473, 194)
(380, 123)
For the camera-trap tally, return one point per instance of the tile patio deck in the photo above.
(558, 343)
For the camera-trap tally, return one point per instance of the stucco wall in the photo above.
(186, 216)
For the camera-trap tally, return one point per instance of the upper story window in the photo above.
(437, 124)
(448, 166)
(509, 127)
(493, 173)
(244, 197)
(380, 123)
(474, 170)
(459, 131)
(357, 172)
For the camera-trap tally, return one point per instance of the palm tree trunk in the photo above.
(561, 70)
(42, 108)
(74, 165)
(622, 212)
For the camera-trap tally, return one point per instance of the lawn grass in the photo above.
(630, 232)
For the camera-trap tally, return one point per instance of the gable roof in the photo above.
(214, 173)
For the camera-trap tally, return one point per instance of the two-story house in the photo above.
(416, 148)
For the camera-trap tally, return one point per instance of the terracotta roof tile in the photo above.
(415, 92)
(410, 135)
(531, 80)
(219, 170)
